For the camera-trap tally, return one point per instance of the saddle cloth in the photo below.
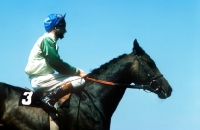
(30, 98)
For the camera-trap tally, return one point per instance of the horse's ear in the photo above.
(137, 49)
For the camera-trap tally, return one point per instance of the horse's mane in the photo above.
(104, 67)
(136, 50)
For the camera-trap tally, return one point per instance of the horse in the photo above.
(93, 106)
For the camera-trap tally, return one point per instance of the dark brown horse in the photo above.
(93, 107)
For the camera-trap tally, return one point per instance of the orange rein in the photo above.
(144, 87)
(101, 81)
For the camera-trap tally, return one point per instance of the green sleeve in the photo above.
(50, 53)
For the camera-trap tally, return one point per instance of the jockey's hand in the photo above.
(82, 73)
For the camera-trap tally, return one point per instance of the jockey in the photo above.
(44, 61)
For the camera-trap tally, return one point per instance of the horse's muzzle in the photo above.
(163, 94)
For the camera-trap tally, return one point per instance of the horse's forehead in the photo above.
(148, 59)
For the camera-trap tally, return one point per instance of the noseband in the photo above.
(153, 85)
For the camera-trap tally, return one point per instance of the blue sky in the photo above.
(100, 30)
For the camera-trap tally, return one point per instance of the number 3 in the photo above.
(28, 95)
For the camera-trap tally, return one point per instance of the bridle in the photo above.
(153, 85)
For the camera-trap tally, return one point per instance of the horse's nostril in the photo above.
(169, 91)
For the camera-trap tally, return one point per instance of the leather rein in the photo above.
(117, 84)
(153, 85)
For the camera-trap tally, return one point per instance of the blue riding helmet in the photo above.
(52, 20)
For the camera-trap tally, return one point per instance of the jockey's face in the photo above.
(60, 29)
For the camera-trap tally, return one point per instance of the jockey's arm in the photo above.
(51, 55)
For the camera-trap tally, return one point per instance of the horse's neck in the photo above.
(110, 96)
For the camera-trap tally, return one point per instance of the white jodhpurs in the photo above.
(51, 81)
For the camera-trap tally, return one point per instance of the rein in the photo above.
(118, 84)
(153, 85)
